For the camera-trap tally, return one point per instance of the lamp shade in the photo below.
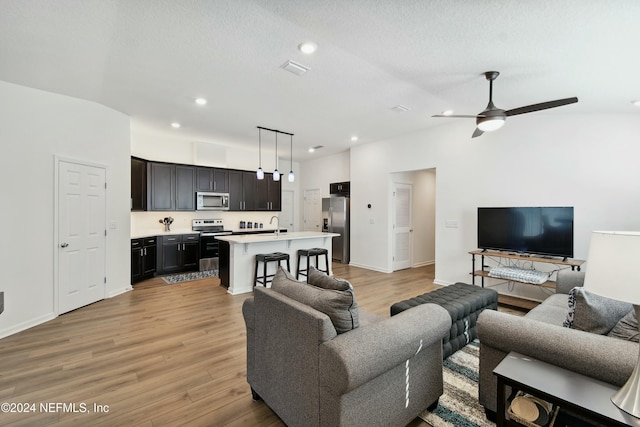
(611, 265)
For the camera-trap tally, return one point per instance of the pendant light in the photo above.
(291, 176)
(276, 173)
(260, 172)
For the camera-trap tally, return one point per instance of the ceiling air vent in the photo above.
(294, 67)
(400, 109)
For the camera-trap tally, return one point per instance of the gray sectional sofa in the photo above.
(314, 365)
(541, 335)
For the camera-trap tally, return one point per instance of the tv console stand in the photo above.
(482, 273)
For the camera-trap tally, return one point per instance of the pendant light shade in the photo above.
(276, 172)
(259, 172)
(291, 175)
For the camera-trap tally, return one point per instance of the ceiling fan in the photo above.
(492, 118)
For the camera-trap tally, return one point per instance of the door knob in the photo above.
(64, 245)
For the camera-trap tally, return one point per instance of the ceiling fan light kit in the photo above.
(493, 118)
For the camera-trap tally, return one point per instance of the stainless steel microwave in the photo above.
(212, 201)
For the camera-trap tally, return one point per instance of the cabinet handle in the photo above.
(141, 253)
(145, 251)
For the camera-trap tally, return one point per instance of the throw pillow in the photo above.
(324, 281)
(340, 306)
(626, 328)
(594, 313)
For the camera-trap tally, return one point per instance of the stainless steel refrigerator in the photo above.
(335, 219)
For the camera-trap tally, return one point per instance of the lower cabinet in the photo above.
(143, 258)
(178, 253)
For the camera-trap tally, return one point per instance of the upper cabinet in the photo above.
(215, 180)
(138, 184)
(170, 187)
(242, 190)
(159, 186)
(269, 194)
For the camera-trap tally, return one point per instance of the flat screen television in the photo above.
(527, 230)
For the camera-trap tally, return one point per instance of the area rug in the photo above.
(193, 275)
(458, 406)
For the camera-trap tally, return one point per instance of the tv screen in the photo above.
(528, 230)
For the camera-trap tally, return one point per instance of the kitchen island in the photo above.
(242, 250)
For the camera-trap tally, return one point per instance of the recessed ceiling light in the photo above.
(307, 47)
(447, 112)
(354, 138)
(175, 125)
(201, 101)
(636, 103)
(311, 149)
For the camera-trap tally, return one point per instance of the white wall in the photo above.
(320, 172)
(34, 127)
(586, 161)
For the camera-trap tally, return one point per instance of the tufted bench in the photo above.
(464, 303)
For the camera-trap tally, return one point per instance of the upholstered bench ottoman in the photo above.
(464, 303)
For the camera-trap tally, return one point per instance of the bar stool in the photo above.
(313, 252)
(265, 259)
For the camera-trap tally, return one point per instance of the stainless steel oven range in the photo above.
(209, 245)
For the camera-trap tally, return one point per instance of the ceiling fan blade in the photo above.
(477, 133)
(541, 106)
(458, 116)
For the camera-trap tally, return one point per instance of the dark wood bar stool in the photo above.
(309, 253)
(265, 259)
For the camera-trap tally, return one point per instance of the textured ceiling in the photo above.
(151, 58)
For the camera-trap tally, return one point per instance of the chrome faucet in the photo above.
(277, 225)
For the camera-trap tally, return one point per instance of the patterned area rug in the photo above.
(193, 275)
(458, 406)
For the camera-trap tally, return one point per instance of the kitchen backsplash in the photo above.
(144, 222)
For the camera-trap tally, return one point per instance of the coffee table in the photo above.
(582, 395)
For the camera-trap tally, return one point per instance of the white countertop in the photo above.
(138, 234)
(271, 237)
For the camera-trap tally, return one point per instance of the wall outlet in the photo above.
(112, 225)
(451, 224)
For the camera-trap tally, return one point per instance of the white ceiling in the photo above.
(151, 58)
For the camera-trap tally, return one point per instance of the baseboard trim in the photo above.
(26, 325)
(369, 267)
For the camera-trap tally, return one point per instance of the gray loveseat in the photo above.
(540, 334)
(382, 373)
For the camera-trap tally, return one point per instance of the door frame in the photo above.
(56, 217)
(394, 189)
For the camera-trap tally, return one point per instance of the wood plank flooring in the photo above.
(161, 355)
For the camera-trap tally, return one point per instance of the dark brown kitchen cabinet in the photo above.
(212, 179)
(138, 184)
(170, 187)
(143, 258)
(242, 190)
(179, 252)
(269, 194)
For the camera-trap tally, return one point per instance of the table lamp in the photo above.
(612, 272)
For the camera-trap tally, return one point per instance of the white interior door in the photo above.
(312, 210)
(81, 216)
(286, 218)
(402, 226)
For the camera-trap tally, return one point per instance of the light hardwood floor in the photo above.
(161, 355)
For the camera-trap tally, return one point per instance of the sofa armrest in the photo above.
(608, 359)
(356, 357)
(567, 280)
(248, 310)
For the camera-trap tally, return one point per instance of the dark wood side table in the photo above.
(582, 395)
